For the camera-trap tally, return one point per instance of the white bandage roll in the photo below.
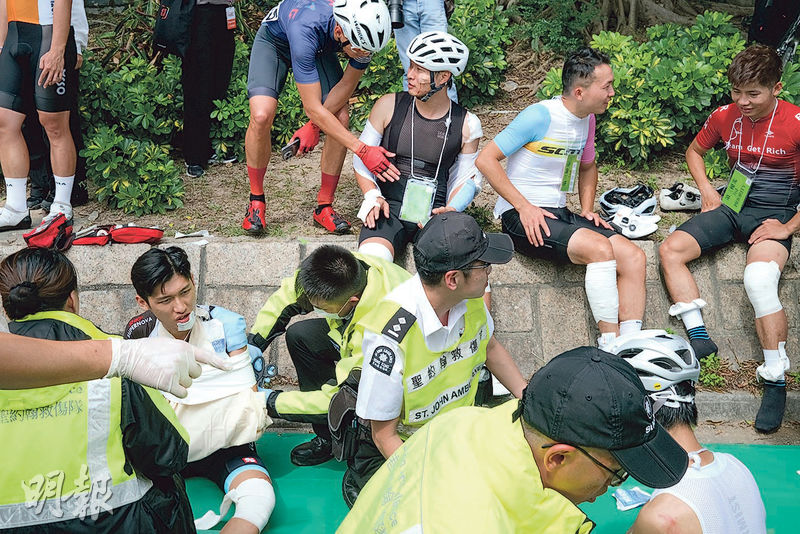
(601, 291)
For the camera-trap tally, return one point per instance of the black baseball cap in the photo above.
(591, 398)
(453, 240)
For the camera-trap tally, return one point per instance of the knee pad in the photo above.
(601, 291)
(254, 499)
(377, 250)
(761, 284)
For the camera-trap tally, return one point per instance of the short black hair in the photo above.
(430, 278)
(579, 67)
(156, 267)
(331, 274)
(686, 414)
(759, 64)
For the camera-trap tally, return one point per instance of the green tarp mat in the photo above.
(309, 499)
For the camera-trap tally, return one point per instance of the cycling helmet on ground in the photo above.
(365, 23)
(438, 51)
(661, 360)
(640, 198)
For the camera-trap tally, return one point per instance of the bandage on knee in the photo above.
(254, 499)
(761, 284)
(377, 250)
(601, 290)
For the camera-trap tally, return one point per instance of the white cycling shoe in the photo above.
(680, 197)
(634, 226)
(14, 220)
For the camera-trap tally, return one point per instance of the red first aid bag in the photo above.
(94, 235)
(136, 234)
(56, 234)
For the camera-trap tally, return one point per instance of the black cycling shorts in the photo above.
(218, 466)
(19, 70)
(398, 233)
(720, 226)
(270, 60)
(561, 230)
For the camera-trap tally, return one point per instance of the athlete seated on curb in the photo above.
(305, 36)
(428, 340)
(550, 147)
(341, 288)
(583, 424)
(717, 495)
(762, 138)
(37, 60)
(424, 126)
(223, 413)
(89, 456)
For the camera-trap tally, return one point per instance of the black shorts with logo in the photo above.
(720, 226)
(561, 230)
(218, 465)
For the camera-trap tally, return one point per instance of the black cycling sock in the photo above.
(257, 197)
(703, 348)
(321, 207)
(773, 404)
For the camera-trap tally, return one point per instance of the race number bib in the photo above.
(737, 190)
(417, 200)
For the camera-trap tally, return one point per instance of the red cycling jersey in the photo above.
(778, 174)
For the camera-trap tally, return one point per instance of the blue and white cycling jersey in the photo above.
(537, 144)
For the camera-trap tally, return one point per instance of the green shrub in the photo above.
(665, 87)
(709, 372)
(553, 24)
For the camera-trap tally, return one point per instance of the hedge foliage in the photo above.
(133, 112)
(666, 86)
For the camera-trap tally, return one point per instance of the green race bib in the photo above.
(417, 200)
(737, 190)
(570, 174)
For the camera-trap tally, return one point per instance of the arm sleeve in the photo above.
(370, 137)
(380, 391)
(588, 149)
(80, 25)
(530, 125)
(709, 134)
(273, 318)
(155, 443)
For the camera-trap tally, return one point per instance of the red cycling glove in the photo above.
(309, 137)
(374, 157)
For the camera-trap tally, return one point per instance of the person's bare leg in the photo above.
(586, 247)
(62, 147)
(772, 328)
(676, 252)
(257, 141)
(333, 152)
(14, 157)
(631, 267)
(237, 525)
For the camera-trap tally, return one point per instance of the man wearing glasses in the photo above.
(426, 343)
(584, 423)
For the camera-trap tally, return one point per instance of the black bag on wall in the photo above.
(173, 27)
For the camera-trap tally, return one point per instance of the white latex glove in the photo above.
(165, 364)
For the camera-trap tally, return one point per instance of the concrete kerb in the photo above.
(547, 307)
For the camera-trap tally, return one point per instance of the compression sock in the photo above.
(63, 189)
(773, 404)
(327, 189)
(256, 180)
(630, 326)
(15, 194)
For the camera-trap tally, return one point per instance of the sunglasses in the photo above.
(617, 478)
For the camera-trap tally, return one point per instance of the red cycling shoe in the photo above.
(254, 221)
(326, 217)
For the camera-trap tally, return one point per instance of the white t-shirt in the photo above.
(723, 495)
(380, 391)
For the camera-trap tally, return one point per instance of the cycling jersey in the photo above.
(776, 178)
(537, 144)
(307, 27)
(39, 12)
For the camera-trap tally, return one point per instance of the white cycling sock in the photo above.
(630, 326)
(63, 189)
(15, 194)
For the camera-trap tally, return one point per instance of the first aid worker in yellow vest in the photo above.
(584, 423)
(93, 456)
(426, 343)
(223, 412)
(340, 288)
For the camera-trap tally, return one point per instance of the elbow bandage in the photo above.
(761, 284)
(254, 499)
(601, 291)
(371, 137)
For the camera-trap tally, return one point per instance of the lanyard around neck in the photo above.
(444, 141)
(739, 121)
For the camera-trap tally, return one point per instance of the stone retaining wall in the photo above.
(539, 309)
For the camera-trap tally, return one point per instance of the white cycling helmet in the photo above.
(640, 198)
(438, 51)
(661, 360)
(365, 23)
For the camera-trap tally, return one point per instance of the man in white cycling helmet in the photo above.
(717, 495)
(425, 127)
(551, 152)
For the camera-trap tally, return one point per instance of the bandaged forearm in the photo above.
(462, 199)
(372, 137)
(370, 201)
(601, 291)
(463, 170)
